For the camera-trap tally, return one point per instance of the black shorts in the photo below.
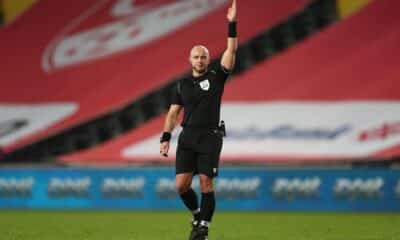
(198, 151)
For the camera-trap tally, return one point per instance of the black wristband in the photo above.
(232, 33)
(165, 137)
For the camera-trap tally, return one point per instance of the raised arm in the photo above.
(169, 125)
(228, 58)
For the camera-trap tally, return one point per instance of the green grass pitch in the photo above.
(174, 225)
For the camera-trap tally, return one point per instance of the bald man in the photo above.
(200, 141)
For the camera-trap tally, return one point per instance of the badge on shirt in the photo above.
(205, 85)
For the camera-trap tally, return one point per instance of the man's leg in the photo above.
(207, 208)
(208, 169)
(207, 200)
(185, 169)
(187, 194)
(189, 198)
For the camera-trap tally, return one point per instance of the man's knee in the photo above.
(206, 183)
(183, 183)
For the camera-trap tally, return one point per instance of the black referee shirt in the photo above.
(201, 98)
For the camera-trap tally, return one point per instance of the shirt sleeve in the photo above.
(176, 97)
(222, 73)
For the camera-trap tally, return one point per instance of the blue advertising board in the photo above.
(236, 189)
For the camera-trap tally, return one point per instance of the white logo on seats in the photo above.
(131, 26)
(205, 85)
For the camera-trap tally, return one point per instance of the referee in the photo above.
(200, 142)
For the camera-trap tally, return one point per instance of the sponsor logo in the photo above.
(69, 187)
(382, 132)
(123, 187)
(370, 188)
(166, 187)
(11, 126)
(205, 85)
(397, 189)
(295, 188)
(14, 187)
(131, 26)
(20, 120)
(288, 131)
(225, 188)
(237, 188)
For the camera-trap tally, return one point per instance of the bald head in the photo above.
(199, 49)
(199, 58)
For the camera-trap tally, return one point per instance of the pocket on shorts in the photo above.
(186, 139)
(211, 142)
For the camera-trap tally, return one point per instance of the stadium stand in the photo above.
(87, 119)
(1, 16)
(347, 8)
(12, 9)
(330, 98)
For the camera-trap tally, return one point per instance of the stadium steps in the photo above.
(312, 19)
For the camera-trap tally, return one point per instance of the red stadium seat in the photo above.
(333, 97)
(91, 57)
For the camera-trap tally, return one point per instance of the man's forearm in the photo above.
(232, 45)
(232, 29)
(170, 122)
(169, 125)
(229, 56)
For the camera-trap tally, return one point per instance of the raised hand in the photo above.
(232, 12)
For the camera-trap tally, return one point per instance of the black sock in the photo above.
(189, 198)
(207, 208)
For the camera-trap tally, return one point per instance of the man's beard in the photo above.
(200, 71)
